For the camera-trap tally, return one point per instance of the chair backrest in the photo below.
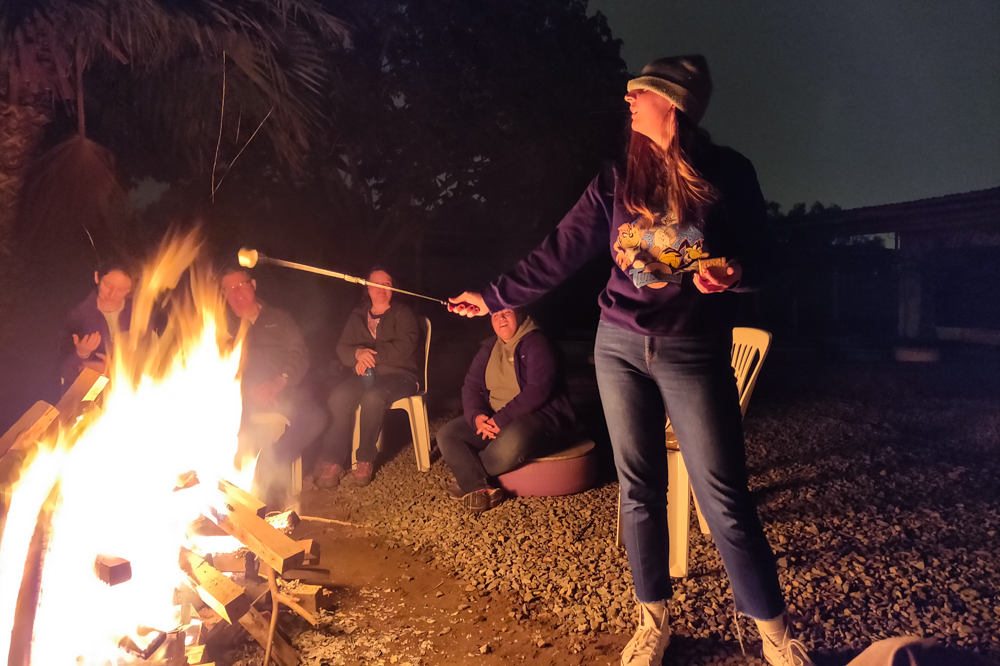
(427, 353)
(750, 347)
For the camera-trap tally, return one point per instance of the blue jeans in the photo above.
(473, 459)
(641, 380)
(374, 397)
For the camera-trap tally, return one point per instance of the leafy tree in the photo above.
(170, 57)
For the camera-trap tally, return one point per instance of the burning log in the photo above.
(267, 543)
(19, 443)
(288, 520)
(29, 427)
(151, 639)
(112, 570)
(236, 494)
(221, 594)
(281, 651)
(86, 388)
(242, 562)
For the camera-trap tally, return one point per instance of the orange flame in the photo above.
(173, 405)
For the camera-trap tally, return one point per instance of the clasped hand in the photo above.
(366, 359)
(486, 428)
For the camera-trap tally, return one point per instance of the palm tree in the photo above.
(265, 61)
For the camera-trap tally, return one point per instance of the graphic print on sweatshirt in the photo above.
(655, 253)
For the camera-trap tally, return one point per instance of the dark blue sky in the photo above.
(854, 102)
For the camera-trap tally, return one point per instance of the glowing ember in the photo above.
(173, 406)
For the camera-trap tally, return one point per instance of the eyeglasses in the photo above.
(235, 287)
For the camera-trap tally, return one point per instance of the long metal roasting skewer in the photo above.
(250, 258)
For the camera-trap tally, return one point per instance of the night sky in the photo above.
(855, 102)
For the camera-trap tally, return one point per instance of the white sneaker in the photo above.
(789, 652)
(650, 641)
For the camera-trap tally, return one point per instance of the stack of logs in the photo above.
(214, 606)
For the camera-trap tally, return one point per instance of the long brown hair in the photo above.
(657, 178)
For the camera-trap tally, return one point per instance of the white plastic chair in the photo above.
(269, 427)
(415, 409)
(750, 347)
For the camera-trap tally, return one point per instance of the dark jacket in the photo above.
(735, 227)
(274, 346)
(538, 377)
(85, 319)
(396, 345)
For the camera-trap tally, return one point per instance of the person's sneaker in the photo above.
(329, 476)
(361, 476)
(454, 491)
(789, 652)
(650, 640)
(482, 500)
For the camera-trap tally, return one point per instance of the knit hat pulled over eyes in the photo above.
(683, 80)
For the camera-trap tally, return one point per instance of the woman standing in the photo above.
(685, 223)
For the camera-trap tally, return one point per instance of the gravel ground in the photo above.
(882, 507)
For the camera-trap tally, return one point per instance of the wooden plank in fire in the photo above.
(221, 594)
(281, 650)
(87, 386)
(29, 427)
(267, 543)
(237, 494)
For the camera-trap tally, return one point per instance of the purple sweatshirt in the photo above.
(85, 319)
(651, 291)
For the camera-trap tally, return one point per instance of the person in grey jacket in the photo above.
(380, 343)
(274, 363)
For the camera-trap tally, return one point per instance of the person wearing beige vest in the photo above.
(514, 407)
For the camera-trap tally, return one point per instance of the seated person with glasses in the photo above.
(275, 361)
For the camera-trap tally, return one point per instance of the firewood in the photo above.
(112, 570)
(237, 494)
(281, 650)
(312, 575)
(29, 427)
(311, 547)
(196, 654)
(18, 446)
(287, 520)
(86, 388)
(267, 543)
(241, 562)
(312, 598)
(221, 594)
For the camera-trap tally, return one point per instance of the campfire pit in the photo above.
(105, 497)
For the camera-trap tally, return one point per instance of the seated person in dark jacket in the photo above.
(514, 407)
(92, 325)
(381, 344)
(274, 363)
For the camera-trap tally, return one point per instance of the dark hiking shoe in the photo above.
(361, 476)
(329, 476)
(482, 500)
(454, 492)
